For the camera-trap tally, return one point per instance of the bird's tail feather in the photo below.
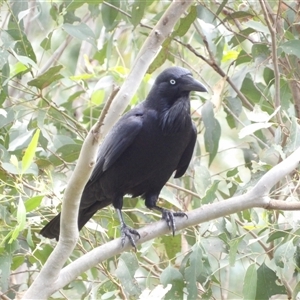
(52, 229)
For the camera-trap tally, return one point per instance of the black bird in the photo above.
(141, 152)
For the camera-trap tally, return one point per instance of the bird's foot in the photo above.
(129, 233)
(168, 216)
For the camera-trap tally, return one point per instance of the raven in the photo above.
(140, 153)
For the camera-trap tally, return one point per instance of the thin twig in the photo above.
(272, 29)
(266, 249)
(115, 90)
(179, 188)
(214, 65)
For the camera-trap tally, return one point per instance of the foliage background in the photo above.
(58, 62)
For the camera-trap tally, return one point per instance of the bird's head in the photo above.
(174, 83)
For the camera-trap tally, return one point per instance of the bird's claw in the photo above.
(129, 233)
(168, 216)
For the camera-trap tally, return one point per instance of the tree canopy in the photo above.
(65, 63)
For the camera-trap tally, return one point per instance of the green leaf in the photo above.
(109, 14)
(5, 73)
(21, 45)
(192, 272)
(278, 235)
(242, 36)
(205, 14)
(19, 10)
(285, 95)
(267, 283)
(250, 91)
(47, 78)
(20, 141)
(202, 180)
(5, 263)
(81, 31)
(21, 219)
(243, 58)
(250, 129)
(296, 290)
(210, 194)
(125, 271)
(46, 42)
(101, 54)
(25, 60)
(268, 76)
(238, 78)
(41, 254)
(172, 245)
(291, 47)
(74, 4)
(137, 11)
(21, 214)
(232, 172)
(250, 281)
(220, 8)
(159, 60)
(69, 152)
(283, 254)
(186, 22)
(212, 130)
(233, 249)
(170, 197)
(17, 261)
(238, 15)
(172, 276)
(17, 69)
(33, 203)
(30, 151)
(294, 137)
(261, 51)
(70, 18)
(257, 26)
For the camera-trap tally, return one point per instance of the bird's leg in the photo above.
(127, 231)
(167, 215)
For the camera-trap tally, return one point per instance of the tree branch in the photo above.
(257, 197)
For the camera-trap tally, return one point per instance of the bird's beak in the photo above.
(190, 84)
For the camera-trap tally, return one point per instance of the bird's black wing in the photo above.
(187, 154)
(118, 140)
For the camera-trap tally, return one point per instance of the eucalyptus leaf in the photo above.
(125, 271)
(267, 283)
(250, 281)
(291, 47)
(45, 79)
(109, 14)
(81, 32)
(212, 132)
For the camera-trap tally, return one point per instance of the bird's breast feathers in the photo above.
(175, 118)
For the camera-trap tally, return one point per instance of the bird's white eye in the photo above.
(173, 81)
